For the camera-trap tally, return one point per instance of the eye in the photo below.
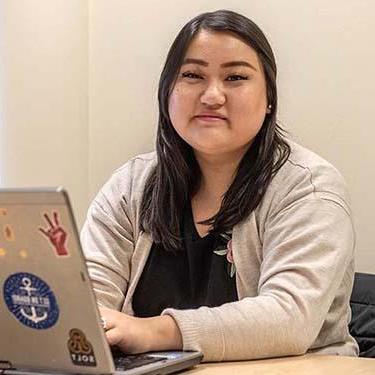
(237, 77)
(191, 75)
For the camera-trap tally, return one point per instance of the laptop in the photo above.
(49, 320)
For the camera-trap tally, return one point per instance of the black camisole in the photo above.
(202, 274)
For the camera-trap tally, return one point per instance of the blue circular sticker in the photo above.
(31, 300)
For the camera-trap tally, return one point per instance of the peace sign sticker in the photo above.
(56, 234)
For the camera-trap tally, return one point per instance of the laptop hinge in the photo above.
(5, 365)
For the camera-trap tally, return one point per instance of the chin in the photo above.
(220, 149)
(212, 150)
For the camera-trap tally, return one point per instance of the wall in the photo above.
(2, 48)
(45, 96)
(80, 80)
(325, 51)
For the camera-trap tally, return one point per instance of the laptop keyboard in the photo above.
(132, 361)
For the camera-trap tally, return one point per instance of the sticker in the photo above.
(2, 252)
(9, 233)
(31, 300)
(23, 253)
(80, 349)
(56, 234)
(3, 211)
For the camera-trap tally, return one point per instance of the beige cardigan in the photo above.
(293, 256)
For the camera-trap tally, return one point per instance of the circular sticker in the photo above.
(31, 300)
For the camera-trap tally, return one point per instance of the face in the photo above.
(219, 101)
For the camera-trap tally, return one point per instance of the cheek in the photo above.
(180, 107)
(251, 104)
(172, 104)
(175, 106)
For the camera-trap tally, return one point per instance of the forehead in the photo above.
(218, 47)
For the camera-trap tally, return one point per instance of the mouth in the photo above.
(210, 118)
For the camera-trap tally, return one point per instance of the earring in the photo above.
(269, 108)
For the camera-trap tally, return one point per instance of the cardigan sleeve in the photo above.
(107, 242)
(307, 247)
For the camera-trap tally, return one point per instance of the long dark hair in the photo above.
(177, 175)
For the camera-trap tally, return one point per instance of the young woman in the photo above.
(230, 239)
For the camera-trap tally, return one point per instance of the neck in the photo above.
(218, 172)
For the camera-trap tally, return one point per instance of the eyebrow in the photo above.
(225, 65)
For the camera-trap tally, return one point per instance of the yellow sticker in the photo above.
(9, 233)
(23, 253)
(2, 252)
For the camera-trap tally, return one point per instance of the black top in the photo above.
(202, 274)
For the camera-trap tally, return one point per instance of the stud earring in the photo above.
(269, 107)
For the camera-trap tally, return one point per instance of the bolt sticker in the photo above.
(80, 349)
(31, 300)
(56, 234)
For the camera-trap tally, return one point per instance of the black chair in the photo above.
(362, 303)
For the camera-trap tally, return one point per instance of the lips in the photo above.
(211, 116)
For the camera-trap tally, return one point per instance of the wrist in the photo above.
(167, 334)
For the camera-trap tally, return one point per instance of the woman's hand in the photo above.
(139, 335)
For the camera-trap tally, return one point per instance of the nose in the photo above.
(213, 95)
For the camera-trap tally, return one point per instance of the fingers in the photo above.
(48, 220)
(55, 223)
(107, 318)
(56, 219)
(113, 336)
(44, 232)
(125, 332)
(118, 340)
(106, 323)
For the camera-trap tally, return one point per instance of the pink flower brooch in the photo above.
(227, 250)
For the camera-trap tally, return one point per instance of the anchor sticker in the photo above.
(33, 316)
(31, 300)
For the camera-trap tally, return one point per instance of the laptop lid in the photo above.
(48, 314)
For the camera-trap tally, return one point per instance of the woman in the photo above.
(230, 239)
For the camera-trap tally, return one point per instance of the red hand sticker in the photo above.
(56, 234)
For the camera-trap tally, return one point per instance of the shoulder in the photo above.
(131, 177)
(306, 175)
(124, 189)
(137, 165)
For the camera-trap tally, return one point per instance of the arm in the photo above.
(107, 242)
(107, 239)
(139, 335)
(307, 247)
